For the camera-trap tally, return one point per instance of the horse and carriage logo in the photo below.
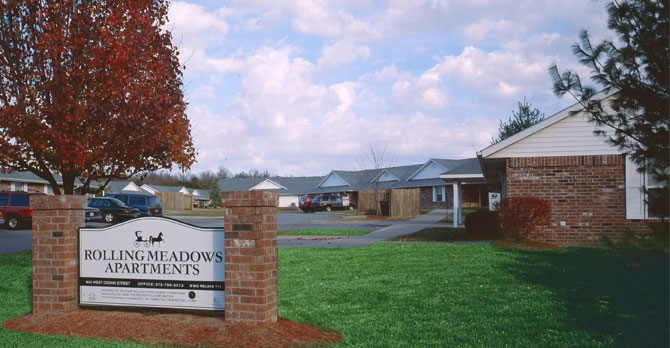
(151, 241)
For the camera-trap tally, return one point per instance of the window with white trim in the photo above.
(438, 194)
(643, 195)
(17, 186)
(657, 204)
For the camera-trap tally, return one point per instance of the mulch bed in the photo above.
(182, 330)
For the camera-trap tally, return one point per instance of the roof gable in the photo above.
(385, 176)
(567, 132)
(267, 184)
(160, 188)
(123, 186)
(333, 179)
(429, 170)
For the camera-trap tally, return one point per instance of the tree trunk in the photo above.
(68, 183)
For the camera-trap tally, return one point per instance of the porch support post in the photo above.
(458, 216)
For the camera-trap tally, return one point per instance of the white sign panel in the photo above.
(152, 262)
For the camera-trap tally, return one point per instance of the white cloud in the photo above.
(199, 27)
(497, 30)
(195, 31)
(267, 80)
(342, 53)
(501, 75)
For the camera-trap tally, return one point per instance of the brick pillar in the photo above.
(55, 262)
(251, 257)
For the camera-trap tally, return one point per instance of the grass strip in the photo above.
(324, 232)
(433, 234)
(199, 212)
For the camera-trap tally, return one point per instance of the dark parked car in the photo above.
(93, 215)
(112, 209)
(331, 202)
(149, 205)
(15, 207)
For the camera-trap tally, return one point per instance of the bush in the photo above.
(660, 231)
(518, 217)
(635, 245)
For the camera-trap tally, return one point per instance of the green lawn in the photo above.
(442, 295)
(474, 295)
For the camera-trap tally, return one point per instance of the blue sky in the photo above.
(299, 88)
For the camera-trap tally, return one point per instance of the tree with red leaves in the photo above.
(90, 90)
(521, 216)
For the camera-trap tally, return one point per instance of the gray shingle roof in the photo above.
(288, 185)
(361, 180)
(466, 166)
(29, 177)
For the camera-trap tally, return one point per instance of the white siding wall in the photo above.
(286, 201)
(570, 136)
(266, 185)
(430, 171)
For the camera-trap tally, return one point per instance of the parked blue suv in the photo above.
(148, 204)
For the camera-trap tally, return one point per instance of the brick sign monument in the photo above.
(133, 265)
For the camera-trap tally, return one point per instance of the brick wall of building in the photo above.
(427, 198)
(587, 193)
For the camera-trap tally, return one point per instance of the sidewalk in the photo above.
(399, 228)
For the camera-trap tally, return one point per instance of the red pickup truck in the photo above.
(305, 203)
(15, 208)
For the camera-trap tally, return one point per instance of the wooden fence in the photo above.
(367, 204)
(402, 203)
(405, 203)
(176, 201)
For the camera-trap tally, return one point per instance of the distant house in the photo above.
(200, 197)
(155, 189)
(593, 188)
(29, 182)
(123, 187)
(433, 190)
(174, 198)
(289, 189)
